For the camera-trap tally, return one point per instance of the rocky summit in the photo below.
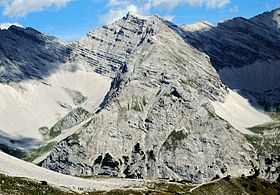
(194, 102)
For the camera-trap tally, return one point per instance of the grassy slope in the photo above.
(21, 186)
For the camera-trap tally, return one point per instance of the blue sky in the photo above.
(72, 19)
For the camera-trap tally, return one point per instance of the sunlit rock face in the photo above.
(145, 98)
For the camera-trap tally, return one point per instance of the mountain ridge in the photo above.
(157, 119)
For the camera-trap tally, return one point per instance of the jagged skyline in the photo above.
(63, 18)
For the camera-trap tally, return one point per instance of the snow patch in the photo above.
(239, 112)
(17, 168)
(29, 105)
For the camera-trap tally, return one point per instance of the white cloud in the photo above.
(118, 8)
(113, 3)
(115, 14)
(20, 8)
(6, 25)
(167, 4)
(234, 9)
(170, 18)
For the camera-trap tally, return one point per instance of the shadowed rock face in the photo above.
(245, 52)
(239, 42)
(27, 54)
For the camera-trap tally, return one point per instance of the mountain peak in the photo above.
(134, 15)
(269, 19)
(198, 26)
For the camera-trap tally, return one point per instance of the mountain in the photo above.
(157, 120)
(245, 53)
(41, 92)
(144, 98)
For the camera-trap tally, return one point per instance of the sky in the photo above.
(72, 19)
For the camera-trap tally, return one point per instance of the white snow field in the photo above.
(239, 112)
(12, 166)
(29, 105)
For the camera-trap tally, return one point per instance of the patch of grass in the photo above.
(174, 139)
(267, 138)
(136, 105)
(275, 115)
(167, 95)
(73, 118)
(210, 114)
(267, 127)
(77, 96)
(171, 187)
(265, 144)
(155, 188)
(119, 192)
(234, 186)
(41, 151)
(239, 186)
(21, 186)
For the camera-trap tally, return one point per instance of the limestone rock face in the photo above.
(157, 120)
(27, 54)
(246, 53)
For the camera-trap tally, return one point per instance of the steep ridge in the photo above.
(27, 54)
(246, 54)
(42, 94)
(107, 49)
(158, 121)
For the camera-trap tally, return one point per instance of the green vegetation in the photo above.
(76, 96)
(210, 114)
(224, 186)
(265, 144)
(171, 187)
(167, 95)
(275, 115)
(267, 138)
(41, 151)
(21, 186)
(174, 139)
(267, 127)
(136, 105)
(73, 118)
(239, 186)
(235, 186)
